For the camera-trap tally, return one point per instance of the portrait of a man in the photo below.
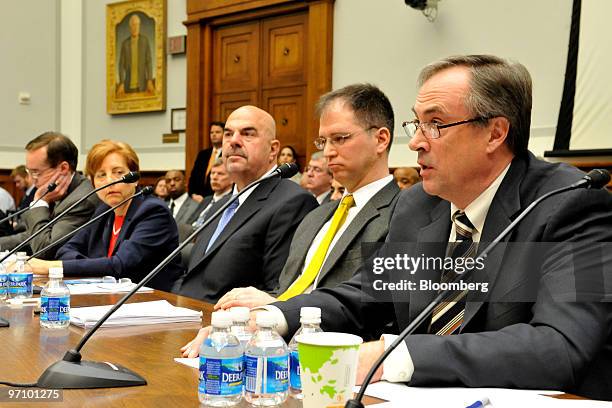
(135, 58)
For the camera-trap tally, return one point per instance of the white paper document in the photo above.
(189, 362)
(94, 286)
(400, 395)
(133, 314)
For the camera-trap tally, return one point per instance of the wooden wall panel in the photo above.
(236, 58)
(284, 51)
(287, 107)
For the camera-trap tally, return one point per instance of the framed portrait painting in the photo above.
(135, 56)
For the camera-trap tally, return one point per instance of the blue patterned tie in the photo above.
(225, 219)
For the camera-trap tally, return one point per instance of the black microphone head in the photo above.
(597, 178)
(147, 190)
(287, 170)
(52, 186)
(131, 177)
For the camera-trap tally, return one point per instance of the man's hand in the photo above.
(62, 181)
(41, 267)
(368, 354)
(197, 198)
(192, 349)
(248, 297)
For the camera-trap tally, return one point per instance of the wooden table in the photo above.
(27, 350)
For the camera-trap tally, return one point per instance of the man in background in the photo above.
(24, 182)
(406, 177)
(182, 207)
(199, 180)
(319, 178)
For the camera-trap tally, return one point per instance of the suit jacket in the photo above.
(253, 247)
(370, 225)
(187, 213)
(199, 183)
(527, 335)
(25, 202)
(36, 218)
(144, 68)
(147, 236)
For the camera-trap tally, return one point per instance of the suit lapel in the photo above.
(505, 205)
(134, 204)
(310, 232)
(250, 207)
(429, 242)
(370, 211)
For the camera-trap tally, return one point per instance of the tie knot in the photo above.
(348, 201)
(463, 226)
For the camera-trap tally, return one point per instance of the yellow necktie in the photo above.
(211, 161)
(310, 273)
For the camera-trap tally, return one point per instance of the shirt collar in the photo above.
(246, 194)
(180, 199)
(363, 194)
(477, 210)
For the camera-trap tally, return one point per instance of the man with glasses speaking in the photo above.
(544, 322)
(52, 157)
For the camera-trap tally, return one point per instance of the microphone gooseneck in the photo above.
(596, 178)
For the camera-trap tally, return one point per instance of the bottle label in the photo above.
(3, 284)
(55, 309)
(20, 284)
(267, 375)
(220, 376)
(294, 371)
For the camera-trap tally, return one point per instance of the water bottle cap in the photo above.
(240, 314)
(310, 312)
(56, 272)
(221, 319)
(266, 319)
(22, 255)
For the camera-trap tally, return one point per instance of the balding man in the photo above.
(248, 245)
(135, 62)
(406, 177)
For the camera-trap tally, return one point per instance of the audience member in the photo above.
(128, 242)
(23, 182)
(327, 246)
(319, 178)
(289, 155)
(337, 190)
(406, 177)
(160, 190)
(221, 185)
(182, 207)
(249, 243)
(7, 202)
(52, 157)
(199, 180)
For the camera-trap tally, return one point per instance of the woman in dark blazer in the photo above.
(128, 242)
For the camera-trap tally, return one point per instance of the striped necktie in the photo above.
(447, 317)
(312, 270)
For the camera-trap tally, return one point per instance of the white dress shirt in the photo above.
(178, 203)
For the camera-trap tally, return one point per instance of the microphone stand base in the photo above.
(88, 374)
(352, 403)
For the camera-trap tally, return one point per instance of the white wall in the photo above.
(29, 45)
(386, 43)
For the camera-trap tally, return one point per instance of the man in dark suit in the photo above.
(199, 180)
(319, 178)
(541, 324)
(361, 164)
(52, 157)
(24, 182)
(249, 243)
(182, 207)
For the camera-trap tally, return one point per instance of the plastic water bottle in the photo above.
(240, 326)
(267, 361)
(221, 365)
(55, 302)
(3, 283)
(20, 277)
(310, 318)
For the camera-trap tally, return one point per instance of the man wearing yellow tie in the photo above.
(199, 180)
(355, 135)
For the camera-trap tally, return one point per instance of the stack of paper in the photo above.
(132, 314)
(104, 288)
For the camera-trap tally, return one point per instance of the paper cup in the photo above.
(328, 365)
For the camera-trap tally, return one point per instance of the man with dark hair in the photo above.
(182, 207)
(540, 323)
(24, 182)
(327, 246)
(199, 180)
(52, 157)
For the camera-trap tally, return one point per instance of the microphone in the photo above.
(50, 188)
(145, 192)
(131, 177)
(73, 372)
(596, 178)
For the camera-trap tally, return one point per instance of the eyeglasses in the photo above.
(431, 130)
(338, 139)
(37, 173)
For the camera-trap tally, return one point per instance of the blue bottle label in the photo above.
(294, 371)
(55, 309)
(267, 375)
(220, 376)
(3, 283)
(20, 284)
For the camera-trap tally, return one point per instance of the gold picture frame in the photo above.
(135, 56)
